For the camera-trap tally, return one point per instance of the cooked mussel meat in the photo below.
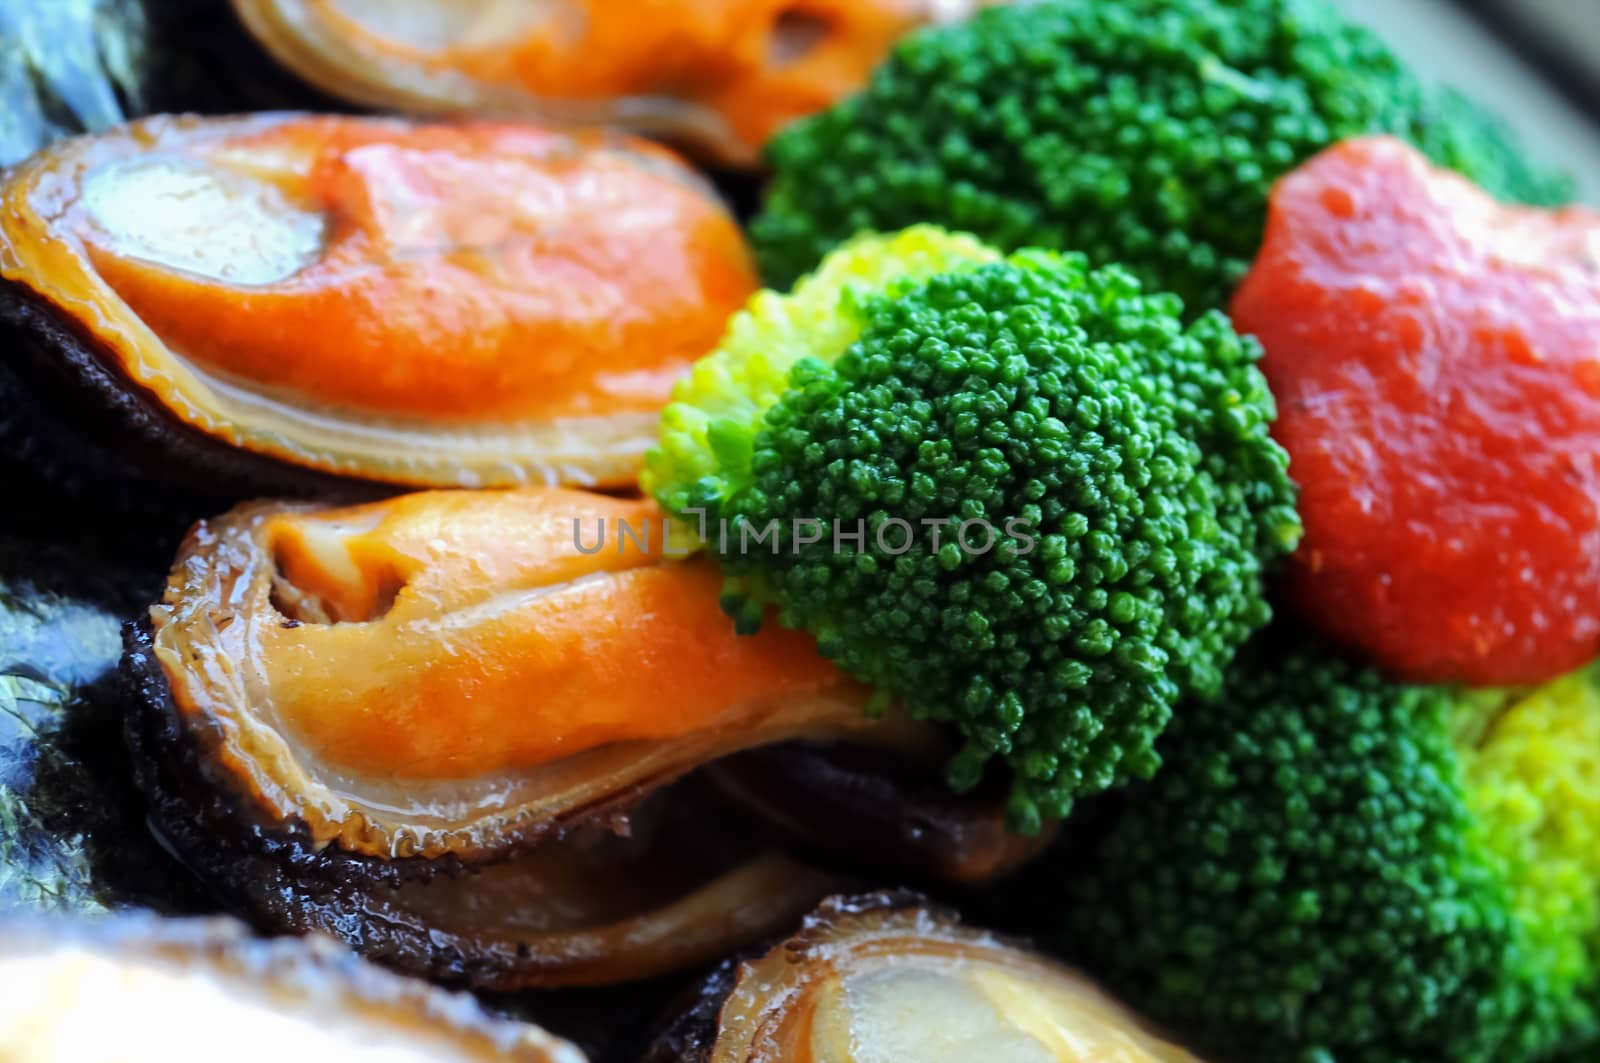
(722, 75)
(264, 304)
(137, 989)
(882, 977)
(420, 724)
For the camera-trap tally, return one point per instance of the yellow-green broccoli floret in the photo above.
(1144, 133)
(1042, 503)
(1336, 867)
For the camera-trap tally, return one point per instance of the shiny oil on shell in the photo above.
(263, 303)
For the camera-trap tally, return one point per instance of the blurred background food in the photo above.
(1504, 52)
(67, 65)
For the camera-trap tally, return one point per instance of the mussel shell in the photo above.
(873, 811)
(717, 78)
(141, 988)
(69, 67)
(825, 992)
(73, 837)
(497, 874)
(702, 892)
(223, 604)
(96, 398)
(70, 426)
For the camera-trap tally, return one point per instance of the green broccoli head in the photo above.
(1043, 504)
(1143, 132)
(1332, 866)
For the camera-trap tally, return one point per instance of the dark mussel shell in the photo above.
(874, 810)
(72, 833)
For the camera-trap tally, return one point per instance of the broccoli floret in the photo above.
(1457, 132)
(1335, 867)
(1145, 133)
(1064, 497)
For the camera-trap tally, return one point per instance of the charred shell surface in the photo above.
(73, 837)
(73, 429)
(168, 970)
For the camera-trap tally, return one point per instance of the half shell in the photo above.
(722, 75)
(261, 304)
(139, 989)
(421, 725)
(882, 977)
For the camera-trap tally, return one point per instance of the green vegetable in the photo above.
(1335, 867)
(1145, 133)
(1121, 460)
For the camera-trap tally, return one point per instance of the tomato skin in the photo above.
(1436, 361)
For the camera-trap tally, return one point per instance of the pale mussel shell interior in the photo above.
(135, 989)
(883, 976)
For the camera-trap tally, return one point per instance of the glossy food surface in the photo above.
(1436, 360)
(422, 675)
(455, 305)
(877, 979)
(723, 74)
(136, 990)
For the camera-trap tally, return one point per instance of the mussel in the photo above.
(444, 727)
(883, 977)
(718, 75)
(137, 989)
(274, 304)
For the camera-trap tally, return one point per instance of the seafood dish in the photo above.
(728, 531)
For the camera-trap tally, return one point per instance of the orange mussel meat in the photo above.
(454, 728)
(468, 305)
(722, 75)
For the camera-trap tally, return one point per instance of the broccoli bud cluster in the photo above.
(1122, 456)
(1145, 133)
(1332, 866)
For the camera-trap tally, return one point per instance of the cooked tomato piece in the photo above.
(1436, 360)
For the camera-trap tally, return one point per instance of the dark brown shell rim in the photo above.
(207, 823)
(91, 429)
(688, 1034)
